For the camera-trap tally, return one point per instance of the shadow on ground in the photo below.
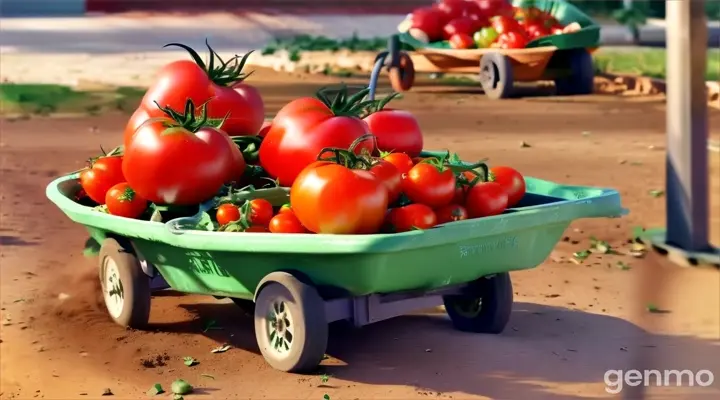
(544, 353)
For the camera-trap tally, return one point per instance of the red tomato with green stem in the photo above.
(285, 208)
(391, 178)
(410, 217)
(227, 213)
(220, 83)
(401, 161)
(395, 130)
(258, 212)
(179, 160)
(461, 41)
(306, 126)
(286, 222)
(511, 180)
(329, 197)
(450, 213)
(121, 200)
(430, 183)
(102, 174)
(485, 199)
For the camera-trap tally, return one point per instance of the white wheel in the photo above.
(126, 288)
(113, 289)
(290, 325)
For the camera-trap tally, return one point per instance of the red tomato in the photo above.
(503, 24)
(300, 130)
(260, 212)
(428, 20)
(264, 130)
(459, 197)
(286, 222)
(410, 217)
(452, 9)
(168, 164)
(429, 184)
(461, 41)
(418, 160)
(491, 8)
(536, 30)
(450, 213)
(331, 198)
(285, 208)
(104, 173)
(222, 88)
(463, 25)
(390, 177)
(227, 213)
(401, 161)
(512, 181)
(486, 199)
(122, 201)
(396, 130)
(512, 40)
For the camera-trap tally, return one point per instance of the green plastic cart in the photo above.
(565, 59)
(296, 284)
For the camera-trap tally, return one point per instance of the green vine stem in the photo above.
(220, 72)
(188, 118)
(249, 146)
(342, 104)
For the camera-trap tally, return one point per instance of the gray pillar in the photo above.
(687, 126)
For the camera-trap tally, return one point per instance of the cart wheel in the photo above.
(290, 325)
(486, 309)
(496, 76)
(582, 77)
(402, 76)
(126, 289)
(246, 306)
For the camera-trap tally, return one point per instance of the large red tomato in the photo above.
(462, 25)
(168, 164)
(103, 173)
(512, 181)
(331, 198)
(428, 20)
(218, 83)
(430, 184)
(396, 131)
(305, 126)
(486, 199)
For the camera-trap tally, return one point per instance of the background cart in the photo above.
(564, 59)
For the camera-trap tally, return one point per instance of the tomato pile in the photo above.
(342, 164)
(469, 24)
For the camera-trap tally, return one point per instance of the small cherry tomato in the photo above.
(512, 40)
(261, 212)
(227, 213)
(486, 199)
(285, 209)
(122, 201)
(450, 213)
(512, 181)
(257, 229)
(390, 177)
(461, 41)
(429, 184)
(410, 217)
(286, 222)
(401, 161)
(104, 173)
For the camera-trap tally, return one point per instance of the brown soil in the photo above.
(571, 322)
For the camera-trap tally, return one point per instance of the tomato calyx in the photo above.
(249, 147)
(348, 158)
(127, 195)
(380, 104)
(344, 105)
(188, 119)
(227, 73)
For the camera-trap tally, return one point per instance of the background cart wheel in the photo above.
(485, 308)
(402, 75)
(496, 76)
(581, 80)
(126, 289)
(290, 325)
(246, 306)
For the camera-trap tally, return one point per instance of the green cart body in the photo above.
(310, 280)
(563, 58)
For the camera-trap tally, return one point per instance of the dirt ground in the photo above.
(570, 324)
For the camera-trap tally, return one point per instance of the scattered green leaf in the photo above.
(189, 361)
(180, 387)
(324, 378)
(326, 396)
(155, 390)
(581, 255)
(623, 266)
(657, 193)
(207, 376)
